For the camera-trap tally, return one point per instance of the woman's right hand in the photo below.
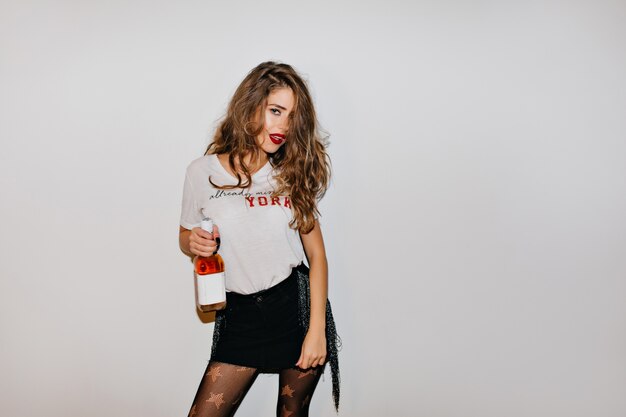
(203, 243)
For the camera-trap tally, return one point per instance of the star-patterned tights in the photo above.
(224, 386)
(295, 391)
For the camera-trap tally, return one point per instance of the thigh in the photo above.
(296, 389)
(222, 389)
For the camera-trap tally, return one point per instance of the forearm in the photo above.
(183, 241)
(318, 278)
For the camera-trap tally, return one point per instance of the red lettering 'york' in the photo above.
(287, 202)
(250, 201)
(262, 201)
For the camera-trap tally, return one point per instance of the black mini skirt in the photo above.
(265, 330)
(261, 330)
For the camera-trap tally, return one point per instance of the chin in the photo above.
(270, 148)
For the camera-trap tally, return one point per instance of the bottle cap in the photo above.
(207, 224)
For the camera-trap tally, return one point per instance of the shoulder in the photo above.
(201, 168)
(201, 164)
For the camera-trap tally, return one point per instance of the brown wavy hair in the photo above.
(302, 166)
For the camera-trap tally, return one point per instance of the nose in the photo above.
(280, 128)
(281, 125)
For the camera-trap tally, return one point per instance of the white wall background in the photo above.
(475, 226)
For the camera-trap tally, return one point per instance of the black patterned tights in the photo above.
(224, 386)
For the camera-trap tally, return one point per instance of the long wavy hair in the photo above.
(302, 166)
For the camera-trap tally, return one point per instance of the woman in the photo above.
(260, 180)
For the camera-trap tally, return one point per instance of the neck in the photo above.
(255, 164)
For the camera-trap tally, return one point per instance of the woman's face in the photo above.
(280, 103)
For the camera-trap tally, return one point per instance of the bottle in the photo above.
(209, 278)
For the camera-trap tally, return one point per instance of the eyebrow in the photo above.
(278, 105)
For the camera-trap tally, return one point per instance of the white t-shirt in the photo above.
(258, 246)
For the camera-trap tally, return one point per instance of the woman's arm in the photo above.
(183, 241)
(314, 346)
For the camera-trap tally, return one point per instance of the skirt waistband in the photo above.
(290, 280)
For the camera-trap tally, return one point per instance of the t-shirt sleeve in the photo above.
(191, 214)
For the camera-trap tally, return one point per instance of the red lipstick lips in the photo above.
(277, 138)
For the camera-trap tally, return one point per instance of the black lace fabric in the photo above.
(333, 341)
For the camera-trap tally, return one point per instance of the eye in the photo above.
(275, 111)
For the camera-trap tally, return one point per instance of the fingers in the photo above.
(203, 243)
(317, 362)
(310, 360)
(216, 237)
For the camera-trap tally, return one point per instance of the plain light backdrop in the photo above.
(475, 224)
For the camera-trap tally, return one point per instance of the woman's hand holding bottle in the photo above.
(203, 243)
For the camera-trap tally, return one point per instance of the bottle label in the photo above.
(211, 288)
